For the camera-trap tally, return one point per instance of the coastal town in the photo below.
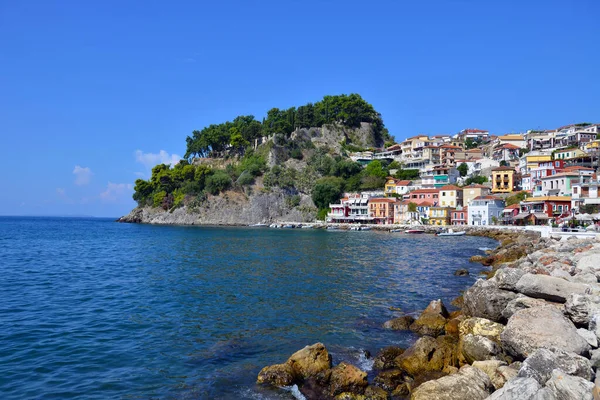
(540, 177)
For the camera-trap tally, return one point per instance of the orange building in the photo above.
(382, 210)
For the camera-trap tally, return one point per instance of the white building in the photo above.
(483, 209)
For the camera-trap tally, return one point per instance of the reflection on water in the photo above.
(95, 309)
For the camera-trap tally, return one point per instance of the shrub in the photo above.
(158, 198)
(245, 179)
(297, 154)
(292, 201)
(218, 182)
(322, 214)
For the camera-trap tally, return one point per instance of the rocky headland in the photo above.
(529, 331)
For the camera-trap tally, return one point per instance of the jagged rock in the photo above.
(477, 348)
(277, 375)
(375, 393)
(469, 383)
(589, 337)
(347, 378)
(452, 326)
(589, 262)
(310, 360)
(403, 390)
(350, 396)
(543, 394)
(579, 308)
(530, 329)
(542, 362)
(385, 358)
(585, 277)
(485, 300)
(507, 278)
(493, 370)
(429, 354)
(595, 359)
(481, 327)
(559, 273)
(522, 302)
(594, 325)
(389, 379)
(516, 389)
(566, 387)
(549, 287)
(432, 321)
(461, 272)
(399, 324)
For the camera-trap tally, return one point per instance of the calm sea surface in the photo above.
(93, 309)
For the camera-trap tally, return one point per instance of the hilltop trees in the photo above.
(347, 110)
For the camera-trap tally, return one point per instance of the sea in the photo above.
(95, 309)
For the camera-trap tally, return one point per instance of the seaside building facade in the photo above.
(485, 210)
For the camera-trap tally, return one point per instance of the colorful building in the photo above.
(451, 196)
(396, 187)
(381, 210)
(552, 206)
(459, 216)
(440, 215)
(503, 180)
(484, 210)
(351, 209)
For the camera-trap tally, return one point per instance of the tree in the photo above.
(142, 190)
(408, 174)
(463, 169)
(412, 207)
(503, 163)
(480, 180)
(470, 143)
(375, 168)
(326, 191)
(516, 198)
(238, 143)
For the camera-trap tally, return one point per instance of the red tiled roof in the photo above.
(503, 169)
(474, 131)
(403, 183)
(382, 200)
(450, 187)
(486, 198)
(509, 146)
(513, 206)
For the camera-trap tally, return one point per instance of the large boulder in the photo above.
(469, 383)
(530, 329)
(517, 389)
(481, 327)
(507, 278)
(385, 358)
(522, 302)
(347, 378)
(399, 324)
(549, 287)
(429, 354)
(542, 362)
(498, 372)
(277, 375)
(477, 348)
(432, 321)
(566, 387)
(389, 379)
(310, 360)
(485, 300)
(580, 307)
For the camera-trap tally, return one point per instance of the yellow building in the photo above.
(440, 215)
(533, 160)
(567, 154)
(503, 180)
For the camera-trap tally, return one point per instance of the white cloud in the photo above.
(115, 191)
(82, 175)
(149, 160)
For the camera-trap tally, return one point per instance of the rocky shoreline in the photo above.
(529, 332)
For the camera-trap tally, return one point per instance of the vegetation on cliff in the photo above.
(224, 157)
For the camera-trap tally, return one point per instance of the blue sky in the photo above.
(92, 94)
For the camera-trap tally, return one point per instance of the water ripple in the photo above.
(94, 309)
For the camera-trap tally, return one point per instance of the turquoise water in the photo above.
(93, 309)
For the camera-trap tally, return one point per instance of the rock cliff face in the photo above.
(229, 208)
(331, 136)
